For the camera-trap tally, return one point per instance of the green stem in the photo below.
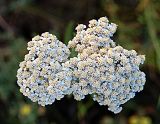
(148, 14)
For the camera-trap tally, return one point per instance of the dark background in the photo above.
(138, 28)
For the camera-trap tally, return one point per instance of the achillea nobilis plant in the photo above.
(102, 69)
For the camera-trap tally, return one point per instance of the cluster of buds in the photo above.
(109, 73)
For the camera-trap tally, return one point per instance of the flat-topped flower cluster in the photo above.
(109, 73)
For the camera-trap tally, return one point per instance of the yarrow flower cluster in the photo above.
(38, 73)
(109, 73)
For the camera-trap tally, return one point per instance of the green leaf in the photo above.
(149, 18)
(68, 35)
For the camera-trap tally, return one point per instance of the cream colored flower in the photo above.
(34, 72)
(108, 72)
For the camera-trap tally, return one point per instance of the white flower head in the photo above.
(107, 72)
(40, 69)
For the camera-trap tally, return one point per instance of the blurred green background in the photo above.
(138, 28)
